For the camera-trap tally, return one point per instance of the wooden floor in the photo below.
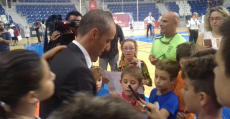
(143, 52)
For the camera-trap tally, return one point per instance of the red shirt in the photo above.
(16, 33)
(133, 103)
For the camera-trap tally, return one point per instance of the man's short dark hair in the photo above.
(225, 54)
(185, 50)
(86, 106)
(199, 70)
(1, 22)
(74, 13)
(95, 19)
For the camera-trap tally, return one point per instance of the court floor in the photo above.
(144, 47)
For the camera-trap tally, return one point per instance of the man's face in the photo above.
(1, 26)
(74, 18)
(167, 23)
(150, 14)
(99, 43)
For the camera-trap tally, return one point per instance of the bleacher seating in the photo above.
(120, 0)
(144, 9)
(172, 6)
(45, 1)
(199, 7)
(3, 17)
(42, 12)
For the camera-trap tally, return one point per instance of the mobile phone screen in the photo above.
(208, 42)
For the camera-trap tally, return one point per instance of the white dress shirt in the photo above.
(149, 19)
(193, 24)
(85, 53)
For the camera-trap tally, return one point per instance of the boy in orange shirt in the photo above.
(184, 51)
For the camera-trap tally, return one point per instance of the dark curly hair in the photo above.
(199, 70)
(86, 106)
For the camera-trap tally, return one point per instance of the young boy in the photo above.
(199, 94)
(98, 75)
(132, 76)
(27, 34)
(152, 30)
(162, 96)
(183, 54)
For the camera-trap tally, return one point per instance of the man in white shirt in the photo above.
(193, 27)
(149, 19)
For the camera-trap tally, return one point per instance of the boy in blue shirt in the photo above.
(162, 96)
(199, 94)
(152, 30)
(98, 75)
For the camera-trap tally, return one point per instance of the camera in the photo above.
(55, 23)
(64, 28)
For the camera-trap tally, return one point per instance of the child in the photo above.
(131, 76)
(86, 106)
(27, 34)
(183, 53)
(152, 30)
(98, 75)
(199, 94)
(162, 96)
(18, 98)
(129, 58)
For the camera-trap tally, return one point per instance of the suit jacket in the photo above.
(72, 76)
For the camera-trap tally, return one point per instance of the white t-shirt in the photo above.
(11, 31)
(193, 24)
(208, 35)
(149, 19)
(27, 33)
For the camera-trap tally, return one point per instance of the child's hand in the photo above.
(180, 115)
(139, 107)
(105, 80)
(115, 93)
(155, 112)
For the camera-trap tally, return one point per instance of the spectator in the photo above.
(96, 27)
(5, 40)
(212, 21)
(37, 26)
(85, 106)
(11, 31)
(16, 34)
(222, 70)
(112, 55)
(27, 34)
(18, 98)
(149, 19)
(129, 58)
(164, 46)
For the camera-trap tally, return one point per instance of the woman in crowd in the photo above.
(212, 21)
(25, 79)
(129, 58)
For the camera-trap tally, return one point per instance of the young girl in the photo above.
(129, 58)
(25, 80)
(27, 34)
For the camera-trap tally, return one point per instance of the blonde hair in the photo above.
(135, 45)
(219, 9)
(97, 71)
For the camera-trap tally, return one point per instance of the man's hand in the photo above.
(51, 53)
(153, 60)
(180, 115)
(55, 36)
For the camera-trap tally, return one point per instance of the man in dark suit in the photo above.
(72, 65)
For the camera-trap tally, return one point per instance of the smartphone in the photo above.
(135, 95)
(67, 38)
(208, 42)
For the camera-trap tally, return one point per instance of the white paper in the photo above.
(114, 82)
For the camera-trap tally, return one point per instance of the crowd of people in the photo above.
(191, 80)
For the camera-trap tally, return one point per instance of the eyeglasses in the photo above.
(215, 19)
(128, 49)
